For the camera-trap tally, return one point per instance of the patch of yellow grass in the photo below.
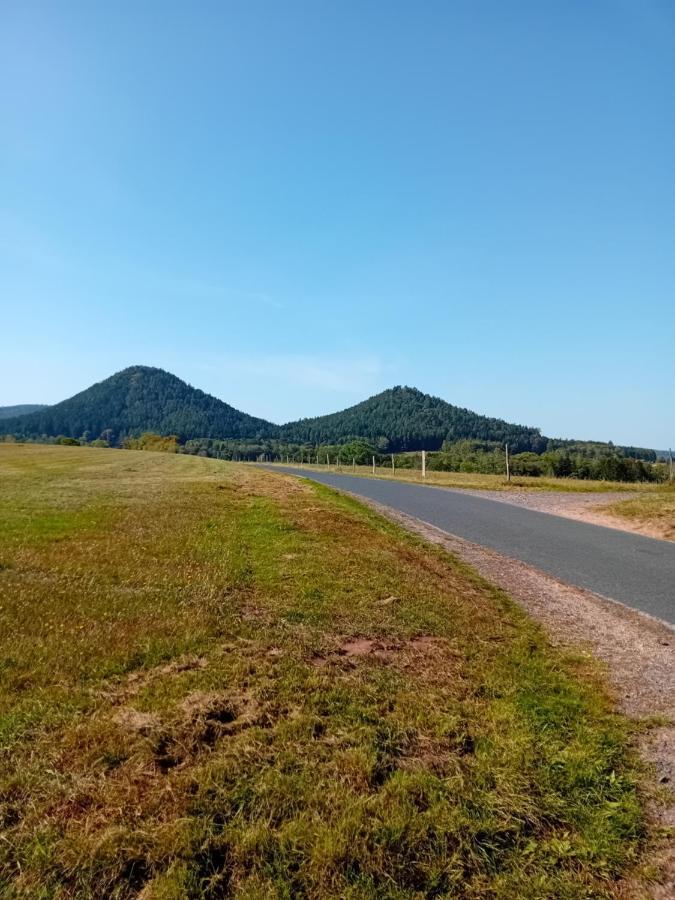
(654, 510)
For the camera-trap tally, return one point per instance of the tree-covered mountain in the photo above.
(10, 412)
(403, 418)
(135, 400)
(143, 399)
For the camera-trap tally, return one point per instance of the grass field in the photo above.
(480, 481)
(217, 681)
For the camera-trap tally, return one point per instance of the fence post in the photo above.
(353, 464)
(393, 467)
(424, 463)
(508, 468)
(373, 465)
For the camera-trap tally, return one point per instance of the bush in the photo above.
(155, 442)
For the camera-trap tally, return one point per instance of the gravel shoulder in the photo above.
(592, 508)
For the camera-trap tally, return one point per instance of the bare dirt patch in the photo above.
(204, 718)
(360, 647)
(134, 721)
(231, 712)
(398, 652)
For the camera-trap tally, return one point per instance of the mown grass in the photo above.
(482, 481)
(220, 681)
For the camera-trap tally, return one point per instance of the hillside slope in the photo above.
(140, 399)
(10, 412)
(403, 418)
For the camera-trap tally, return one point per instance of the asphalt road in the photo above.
(638, 571)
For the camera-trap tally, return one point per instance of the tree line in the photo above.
(592, 461)
(597, 462)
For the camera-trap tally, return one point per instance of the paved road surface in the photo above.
(638, 571)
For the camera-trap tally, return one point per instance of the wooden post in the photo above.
(328, 460)
(373, 465)
(424, 463)
(393, 466)
(508, 467)
(353, 464)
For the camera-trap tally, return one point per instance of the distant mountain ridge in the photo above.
(135, 400)
(22, 409)
(141, 398)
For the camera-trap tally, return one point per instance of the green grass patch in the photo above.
(221, 681)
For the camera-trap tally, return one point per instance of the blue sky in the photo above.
(295, 205)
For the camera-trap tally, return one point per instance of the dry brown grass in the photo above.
(654, 511)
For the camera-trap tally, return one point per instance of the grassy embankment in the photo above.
(216, 680)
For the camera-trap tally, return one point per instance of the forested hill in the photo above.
(404, 418)
(9, 412)
(140, 399)
(143, 399)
